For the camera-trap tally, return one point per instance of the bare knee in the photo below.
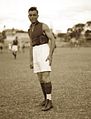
(39, 75)
(46, 76)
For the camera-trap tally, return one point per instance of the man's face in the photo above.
(33, 16)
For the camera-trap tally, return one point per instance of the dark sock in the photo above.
(43, 89)
(48, 88)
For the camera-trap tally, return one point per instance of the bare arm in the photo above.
(31, 53)
(52, 41)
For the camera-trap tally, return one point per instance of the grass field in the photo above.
(20, 92)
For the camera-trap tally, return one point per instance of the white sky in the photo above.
(58, 14)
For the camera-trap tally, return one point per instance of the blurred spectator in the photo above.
(15, 47)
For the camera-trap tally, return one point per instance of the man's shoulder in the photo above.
(44, 26)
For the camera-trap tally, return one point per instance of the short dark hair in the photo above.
(33, 9)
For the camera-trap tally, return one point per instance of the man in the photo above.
(15, 47)
(41, 54)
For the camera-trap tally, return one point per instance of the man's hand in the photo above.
(31, 65)
(50, 59)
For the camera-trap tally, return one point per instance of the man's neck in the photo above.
(34, 23)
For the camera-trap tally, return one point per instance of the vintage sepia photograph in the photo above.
(45, 59)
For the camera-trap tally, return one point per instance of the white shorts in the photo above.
(14, 48)
(40, 54)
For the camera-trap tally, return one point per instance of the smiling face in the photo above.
(33, 16)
